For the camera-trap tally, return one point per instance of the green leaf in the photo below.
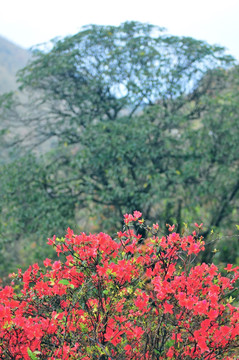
(64, 282)
(31, 355)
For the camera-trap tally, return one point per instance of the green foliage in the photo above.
(25, 204)
(31, 355)
(118, 119)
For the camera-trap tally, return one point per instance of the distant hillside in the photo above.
(12, 58)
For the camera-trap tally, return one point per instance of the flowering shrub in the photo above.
(128, 298)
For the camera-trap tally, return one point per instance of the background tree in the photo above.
(118, 119)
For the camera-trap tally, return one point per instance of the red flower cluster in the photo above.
(127, 298)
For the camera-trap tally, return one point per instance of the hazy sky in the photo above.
(29, 22)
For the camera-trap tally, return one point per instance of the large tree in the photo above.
(124, 118)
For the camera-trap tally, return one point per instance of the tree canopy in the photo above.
(117, 119)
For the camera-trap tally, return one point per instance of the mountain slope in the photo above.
(12, 58)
